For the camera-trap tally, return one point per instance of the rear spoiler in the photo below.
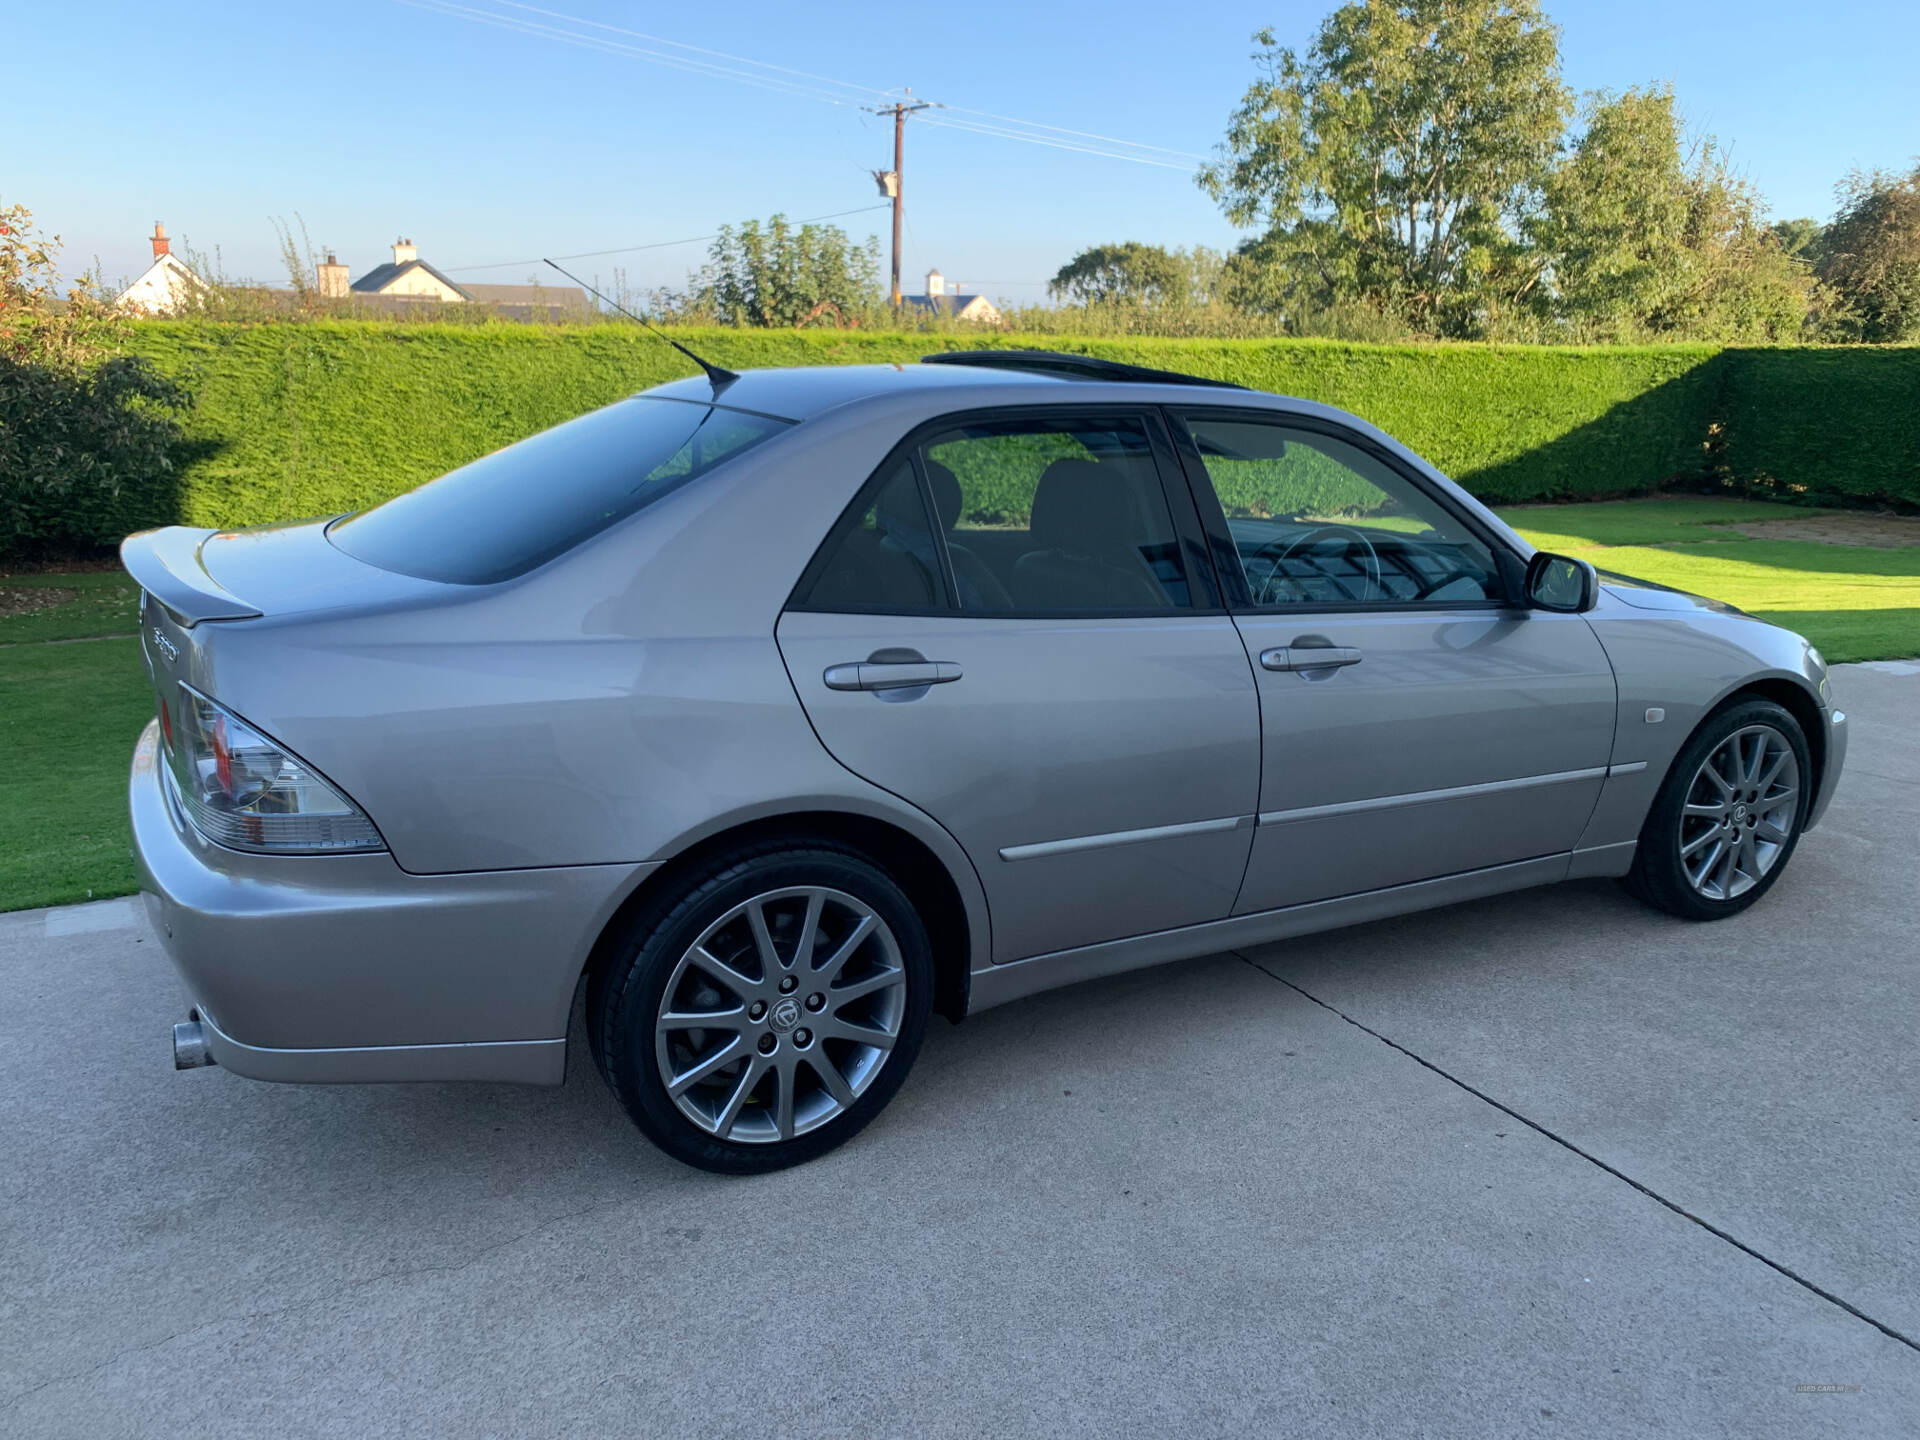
(167, 565)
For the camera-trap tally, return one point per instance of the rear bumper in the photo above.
(346, 968)
(529, 1062)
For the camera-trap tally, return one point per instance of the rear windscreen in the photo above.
(519, 507)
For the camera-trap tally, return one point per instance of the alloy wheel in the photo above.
(1740, 812)
(781, 1015)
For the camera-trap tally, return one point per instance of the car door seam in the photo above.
(986, 904)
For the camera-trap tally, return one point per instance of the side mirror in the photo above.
(1559, 582)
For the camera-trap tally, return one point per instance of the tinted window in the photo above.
(887, 558)
(519, 507)
(1055, 515)
(1318, 521)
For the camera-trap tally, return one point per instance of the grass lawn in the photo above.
(69, 713)
(1855, 601)
(103, 602)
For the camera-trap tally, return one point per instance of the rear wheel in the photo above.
(1729, 815)
(771, 1012)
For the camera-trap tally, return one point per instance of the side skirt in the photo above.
(1018, 978)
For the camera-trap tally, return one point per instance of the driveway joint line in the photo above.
(1592, 1159)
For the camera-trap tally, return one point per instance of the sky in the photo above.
(372, 119)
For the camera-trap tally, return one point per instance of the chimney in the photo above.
(403, 251)
(331, 279)
(936, 283)
(159, 237)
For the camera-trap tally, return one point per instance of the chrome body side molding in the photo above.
(1044, 848)
(1428, 797)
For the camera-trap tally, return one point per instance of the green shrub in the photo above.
(313, 419)
(1821, 425)
(87, 453)
(87, 433)
(292, 420)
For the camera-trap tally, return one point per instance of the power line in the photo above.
(651, 245)
(1082, 134)
(803, 84)
(864, 90)
(614, 47)
(1004, 134)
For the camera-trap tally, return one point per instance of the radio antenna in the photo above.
(719, 377)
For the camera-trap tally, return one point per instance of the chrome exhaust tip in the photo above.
(190, 1050)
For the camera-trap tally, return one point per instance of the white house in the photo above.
(408, 277)
(408, 280)
(166, 284)
(940, 301)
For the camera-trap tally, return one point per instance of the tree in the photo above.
(1612, 227)
(1739, 283)
(775, 274)
(1798, 238)
(1636, 240)
(1208, 282)
(1128, 274)
(1394, 163)
(1870, 256)
(86, 435)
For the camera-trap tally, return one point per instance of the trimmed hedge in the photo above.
(1823, 425)
(310, 419)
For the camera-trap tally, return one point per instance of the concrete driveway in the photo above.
(1544, 1165)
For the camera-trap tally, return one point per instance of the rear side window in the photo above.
(519, 507)
(1047, 515)
(887, 559)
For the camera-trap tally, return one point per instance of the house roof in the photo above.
(942, 304)
(167, 274)
(168, 261)
(381, 276)
(564, 296)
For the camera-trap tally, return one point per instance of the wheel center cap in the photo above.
(785, 1014)
(1739, 814)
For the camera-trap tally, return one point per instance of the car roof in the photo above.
(801, 392)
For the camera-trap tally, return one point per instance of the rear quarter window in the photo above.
(520, 507)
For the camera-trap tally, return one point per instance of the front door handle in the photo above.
(895, 675)
(1308, 657)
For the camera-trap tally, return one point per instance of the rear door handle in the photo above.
(1308, 657)
(900, 675)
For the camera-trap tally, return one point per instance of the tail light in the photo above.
(243, 791)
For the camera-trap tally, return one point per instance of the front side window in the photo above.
(520, 507)
(1054, 515)
(1318, 521)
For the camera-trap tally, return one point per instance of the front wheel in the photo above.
(1725, 822)
(770, 1013)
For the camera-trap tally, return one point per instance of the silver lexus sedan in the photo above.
(779, 710)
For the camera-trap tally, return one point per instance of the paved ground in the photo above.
(1249, 1193)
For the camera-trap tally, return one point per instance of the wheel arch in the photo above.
(1797, 700)
(955, 928)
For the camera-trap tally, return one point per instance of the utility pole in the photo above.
(889, 180)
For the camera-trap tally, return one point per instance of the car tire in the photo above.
(770, 1011)
(1711, 847)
